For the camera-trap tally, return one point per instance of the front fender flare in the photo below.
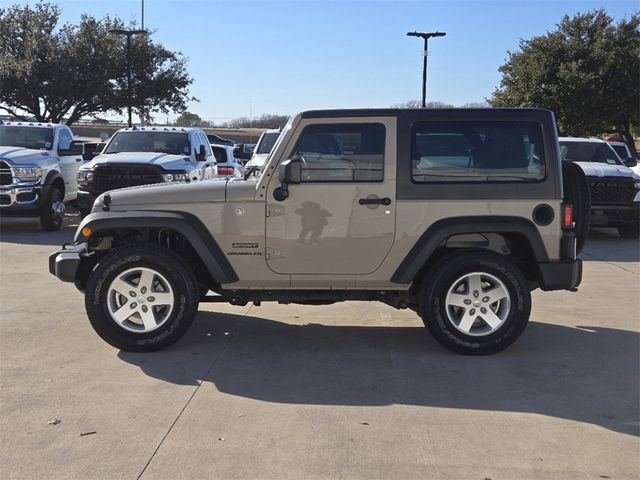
(185, 223)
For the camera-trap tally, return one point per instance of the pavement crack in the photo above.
(206, 375)
(610, 263)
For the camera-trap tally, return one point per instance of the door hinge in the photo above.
(275, 210)
(273, 253)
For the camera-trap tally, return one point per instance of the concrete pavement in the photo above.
(348, 391)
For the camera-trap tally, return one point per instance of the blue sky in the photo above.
(283, 56)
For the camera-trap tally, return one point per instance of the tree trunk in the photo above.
(628, 139)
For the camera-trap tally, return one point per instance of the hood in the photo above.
(257, 160)
(165, 160)
(153, 197)
(25, 156)
(595, 169)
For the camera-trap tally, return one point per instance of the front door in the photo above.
(341, 218)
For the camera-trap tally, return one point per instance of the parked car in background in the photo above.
(146, 155)
(217, 139)
(263, 148)
(615, 188)
(228, 165)
(622, 149)
(38, 167)
(243, 151)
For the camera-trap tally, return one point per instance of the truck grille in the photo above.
(611, 190)
(5, 174)
(113, 177)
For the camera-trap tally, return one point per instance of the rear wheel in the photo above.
(576, 193)
(52, 211)
(141, 298)
(475, 303)
(630, 231)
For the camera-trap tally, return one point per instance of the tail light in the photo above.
(225, 170)
(567, 217)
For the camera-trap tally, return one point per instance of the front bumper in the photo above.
(65, 263)
(614, 215)
(21, 199)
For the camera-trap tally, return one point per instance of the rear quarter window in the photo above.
(477, 152)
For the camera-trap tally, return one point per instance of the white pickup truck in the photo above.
(38, 169)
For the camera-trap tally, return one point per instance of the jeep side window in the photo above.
(482, 151)
(341, 153)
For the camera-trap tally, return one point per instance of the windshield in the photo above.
(27, 137)
(589, 152)
(267, 141)
(621, 150)
(145, 141)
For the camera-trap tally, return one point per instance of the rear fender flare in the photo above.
(433, 237)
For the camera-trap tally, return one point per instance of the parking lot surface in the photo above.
(348, 391)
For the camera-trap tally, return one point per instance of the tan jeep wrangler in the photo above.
(457, 214)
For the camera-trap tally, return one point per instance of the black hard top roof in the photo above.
(393, 112)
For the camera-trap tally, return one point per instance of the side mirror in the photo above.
(630, 161)
(74, 149)
(290, 173)
(201, 154)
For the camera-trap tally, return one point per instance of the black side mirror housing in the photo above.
(201, 154)
(74, 149)
(630, 161)
(291, 172)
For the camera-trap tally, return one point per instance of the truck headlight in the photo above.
(27, 174)
(84, 177)
(174, 177)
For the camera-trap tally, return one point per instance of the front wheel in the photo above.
(475, 303)
(141, 298)
(52, 211)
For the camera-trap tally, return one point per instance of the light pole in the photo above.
(128, 34)
(426, 37)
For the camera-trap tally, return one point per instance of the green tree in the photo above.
(587, 71)
(64, 72)
(188, 119)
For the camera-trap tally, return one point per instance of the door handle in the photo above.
(78, 159)
(375, 201)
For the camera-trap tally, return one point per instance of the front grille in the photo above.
(5, 200)
(5, 174)
(611, 190)
(112, 177)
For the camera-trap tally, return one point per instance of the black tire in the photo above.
(49, 219)
(576, 193)
(162, 261)
(630, 231)
(444, 276)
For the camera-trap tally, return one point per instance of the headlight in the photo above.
(174, 177)
(84, 177)
(27, 174)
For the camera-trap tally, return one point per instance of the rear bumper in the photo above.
(65, 263)
(561, 275)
